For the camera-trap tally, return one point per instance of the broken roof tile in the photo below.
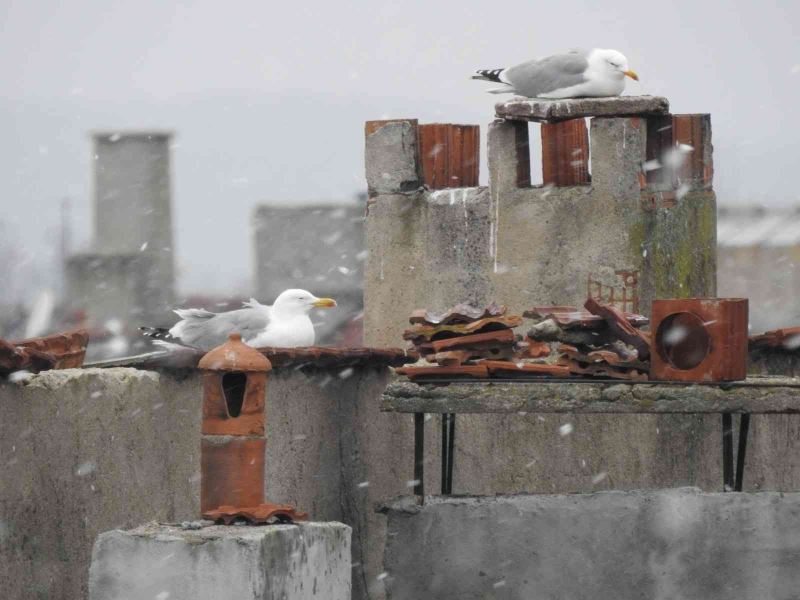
(262, 514)
(460, 313)
(500, 337)
(426, 332)
(620, 326)
(787, 338)
(432, 373)
(572, 317)
(604, 370)
(57, 351)
(502, 368)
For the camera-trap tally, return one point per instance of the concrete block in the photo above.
(508, 155)
(286, 562)
(392, 158)
(678, 543)
(618, 151)
(539, 109)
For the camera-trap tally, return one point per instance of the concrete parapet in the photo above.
(635, 222)
(274, 562)
(678, 543)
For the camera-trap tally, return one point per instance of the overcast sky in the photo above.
(268, 99)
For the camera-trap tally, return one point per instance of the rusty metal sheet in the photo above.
(339, 357)
(262, 514)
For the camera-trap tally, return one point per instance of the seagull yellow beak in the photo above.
(632, 75)
(324, 303)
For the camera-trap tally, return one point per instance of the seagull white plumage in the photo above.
(284, 324)
(593, 73)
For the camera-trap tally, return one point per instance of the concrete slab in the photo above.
(678, 543)
(290, 562)
(520, 108)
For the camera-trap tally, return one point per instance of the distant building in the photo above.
(128, 277)
(319, 248)
(759, 259)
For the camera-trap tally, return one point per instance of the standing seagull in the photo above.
(284, 324)
(578, 74)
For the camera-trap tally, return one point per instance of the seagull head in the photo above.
(300, 301)
(612, 62)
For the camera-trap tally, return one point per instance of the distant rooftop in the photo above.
(758, 226)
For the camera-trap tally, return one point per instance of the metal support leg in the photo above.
(448, 454)
(419, 454)
(727, 452)
(744, 427)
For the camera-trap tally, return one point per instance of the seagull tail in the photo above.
(157, 333)
(489, 75)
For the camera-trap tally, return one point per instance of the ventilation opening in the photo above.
(682, 341)
(233, 386)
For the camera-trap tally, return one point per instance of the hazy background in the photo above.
(268, 101)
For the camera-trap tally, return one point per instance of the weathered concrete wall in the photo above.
(84, 452)
(662, 545)
(279, 562)
(87, 451)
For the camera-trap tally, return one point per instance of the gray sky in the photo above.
(269, 100)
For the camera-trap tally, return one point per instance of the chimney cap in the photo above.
(235, 355)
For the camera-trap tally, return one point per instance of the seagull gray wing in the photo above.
(207, 332)
(545, 75)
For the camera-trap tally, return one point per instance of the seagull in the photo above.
(285, 324)
(594, 73)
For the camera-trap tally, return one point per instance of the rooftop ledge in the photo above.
(519, 108)
(756, 395)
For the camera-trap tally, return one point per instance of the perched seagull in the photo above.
(284, 324)
(577, 74)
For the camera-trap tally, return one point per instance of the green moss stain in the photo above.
(676, 248)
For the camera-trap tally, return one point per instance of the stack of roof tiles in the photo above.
(471, 342)
(600, 341)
